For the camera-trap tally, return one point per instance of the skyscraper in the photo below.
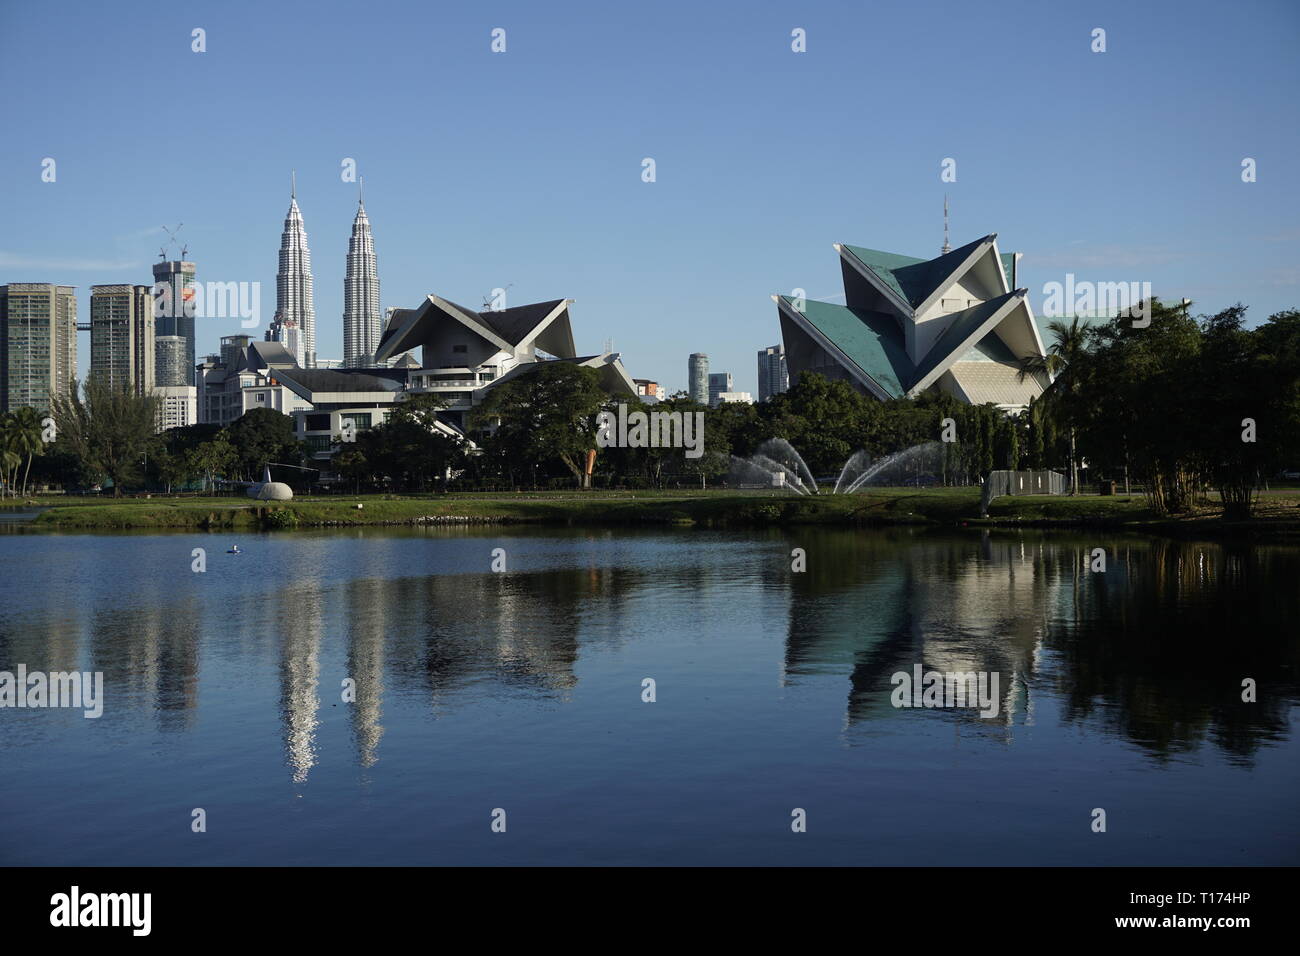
(122, 326)
(172, 364)
(362, 323)
(719, 382)
(294, 325)
(773, 373)
(697, 377)
(38, 343)
(174, 306)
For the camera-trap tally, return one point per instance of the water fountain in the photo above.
(777, 464)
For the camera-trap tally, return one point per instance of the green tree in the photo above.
(544, 414)
(1069, 343)
(260, 436)
(108, 429)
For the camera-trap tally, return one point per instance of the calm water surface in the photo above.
(522, 690)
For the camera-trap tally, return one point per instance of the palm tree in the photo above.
(1068, 343)
(29, 438)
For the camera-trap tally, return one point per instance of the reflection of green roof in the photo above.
(914, 280)
(871, 340)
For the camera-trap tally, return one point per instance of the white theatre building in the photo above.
(955, 323)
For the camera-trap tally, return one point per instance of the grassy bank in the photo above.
(1279, 515)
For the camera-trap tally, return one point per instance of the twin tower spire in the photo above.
(294, 325)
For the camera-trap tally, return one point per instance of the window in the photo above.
(318, 423)
(361, 420)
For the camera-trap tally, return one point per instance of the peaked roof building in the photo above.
(956, 323)
(362, 322)
(465, 353)
(294, 324)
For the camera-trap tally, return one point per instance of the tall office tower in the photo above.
(294, 325)
(697, 377)
(773, 373)
(719, 382)
(171, 361)
(38, 343)
(122, 336)
(174, 305)
(362, 323)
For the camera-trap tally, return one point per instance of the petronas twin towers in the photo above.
(294, 325)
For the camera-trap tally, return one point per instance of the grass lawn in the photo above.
(1278, 511)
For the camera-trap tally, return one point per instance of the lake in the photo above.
(476, 691)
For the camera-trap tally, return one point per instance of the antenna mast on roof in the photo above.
(946, 247)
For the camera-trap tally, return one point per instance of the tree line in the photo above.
(1181, 407)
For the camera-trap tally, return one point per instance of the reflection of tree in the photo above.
(1154, 649)
(1166, 635)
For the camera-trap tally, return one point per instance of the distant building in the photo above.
(294, 324)
(773, 373)
(362, 322)
(122, 336)
(648, 389)
(697, 378)
(38, 343)
(174, 305)
(177, 406)
(171, 358)
(743, 398)
(246, 375)
(954, 324)
(466, 353)
(719, 382)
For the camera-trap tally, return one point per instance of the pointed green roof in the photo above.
(914, 280)
(871, 340)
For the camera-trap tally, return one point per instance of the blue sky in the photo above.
(524, 168)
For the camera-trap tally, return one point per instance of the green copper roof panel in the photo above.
(1009, 268)
(915, 280)
(871, 340)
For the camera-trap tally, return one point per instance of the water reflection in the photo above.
(1153, 650)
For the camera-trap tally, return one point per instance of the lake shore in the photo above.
(1278, 514)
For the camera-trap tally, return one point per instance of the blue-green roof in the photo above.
(914, 280)
(871, 340)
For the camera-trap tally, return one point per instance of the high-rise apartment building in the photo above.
(38, 343)
(171, 361)
(122, 338)
(773, 373)
(719, 382)
(697, 377)
(174, 306)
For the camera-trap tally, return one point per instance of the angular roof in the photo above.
(871, 341)
(544, 324)
(307, 382)
(966, 325)
(915, 280)
(613, 376)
